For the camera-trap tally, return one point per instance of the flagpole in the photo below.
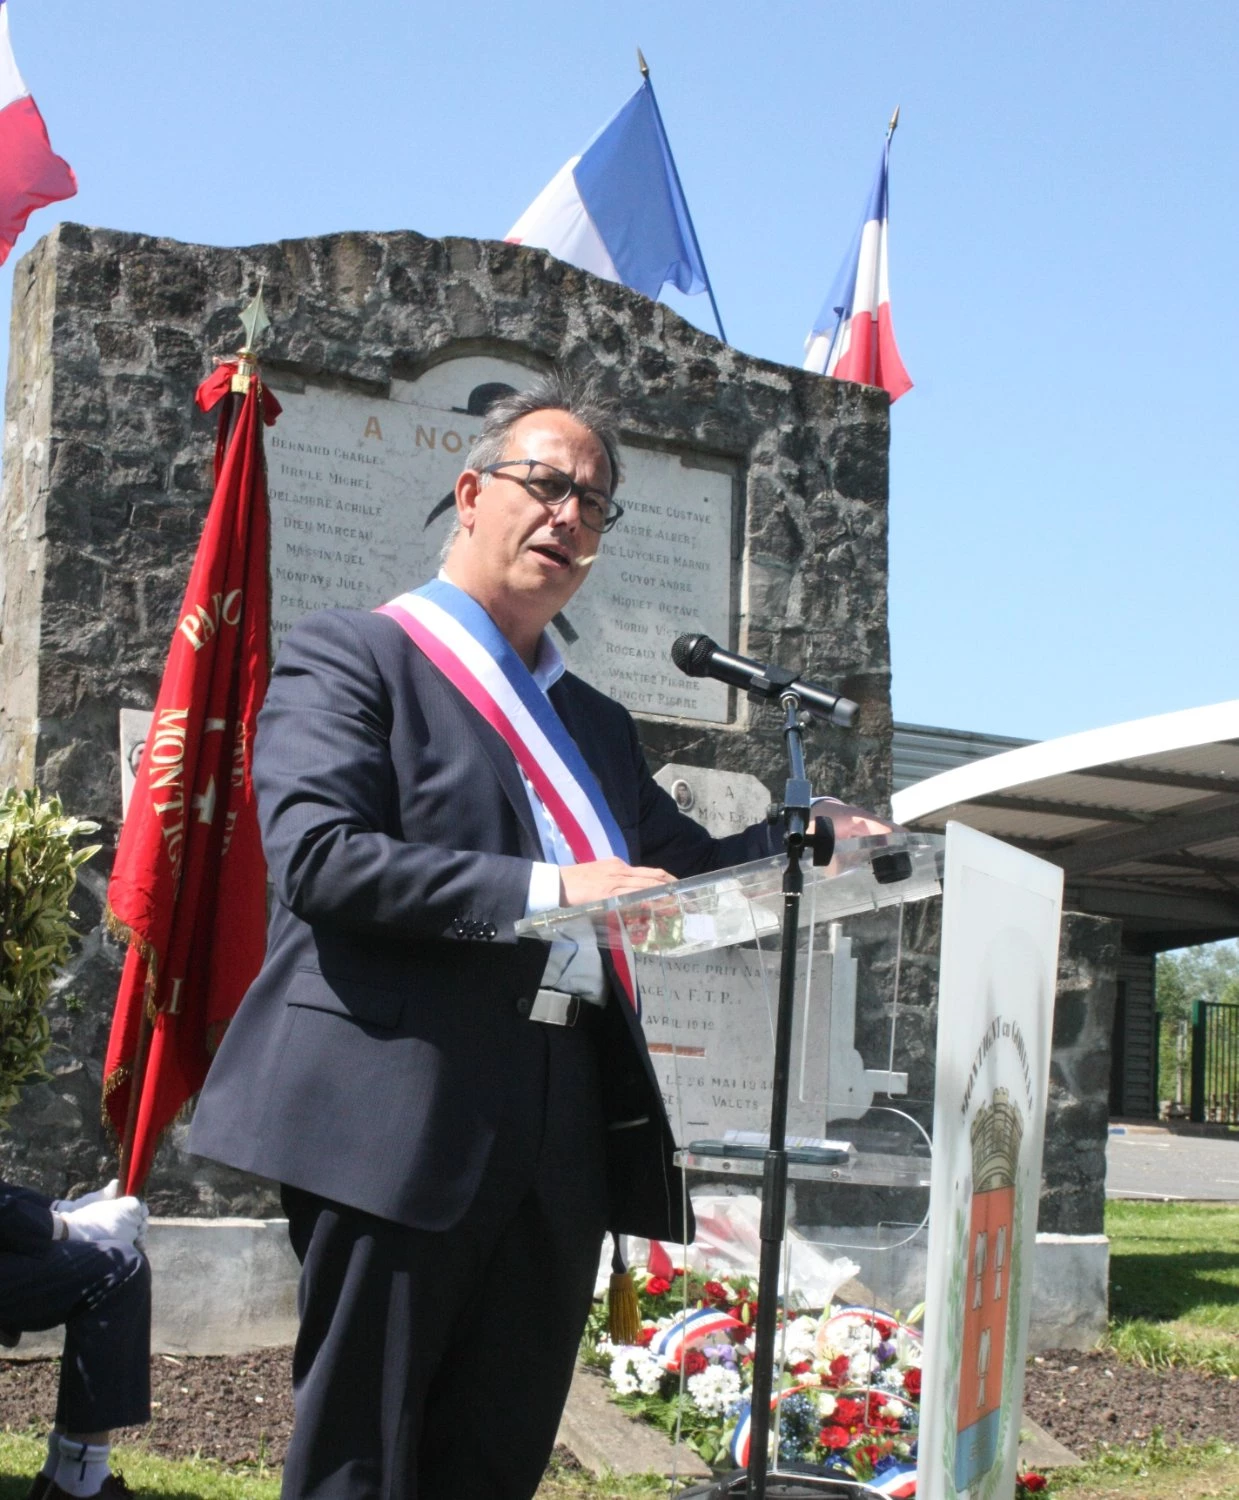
(675, 172)
(137, 1084)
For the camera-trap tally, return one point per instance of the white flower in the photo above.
(825, 1403)
(800, 1337)
(861, 1366)
(634, 1369)
(894, 1408)
(715, 1389)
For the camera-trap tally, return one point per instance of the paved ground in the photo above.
(1152, 1161)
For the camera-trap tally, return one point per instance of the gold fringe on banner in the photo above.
(123, 933)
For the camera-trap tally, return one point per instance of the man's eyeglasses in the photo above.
(550, 486)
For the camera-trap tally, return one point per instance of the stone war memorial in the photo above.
(755, 499)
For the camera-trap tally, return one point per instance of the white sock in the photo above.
(53, 1454)
(82, 1468)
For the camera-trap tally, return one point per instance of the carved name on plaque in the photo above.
(356, 483)
(722, 802)
(709, 1025)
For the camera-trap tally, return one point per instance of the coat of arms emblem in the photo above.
(997, 1131)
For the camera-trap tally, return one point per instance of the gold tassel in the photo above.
(623, 1313)
(623, 1310)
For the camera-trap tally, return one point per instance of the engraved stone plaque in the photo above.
(359, 489)
(722, 802)
(709, 1024)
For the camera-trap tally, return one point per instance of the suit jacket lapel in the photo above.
(562, 702)
(503, 763)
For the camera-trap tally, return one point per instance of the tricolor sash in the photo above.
(457, 636)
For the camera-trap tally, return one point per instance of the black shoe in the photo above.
(112, 1488)
(39, 1487)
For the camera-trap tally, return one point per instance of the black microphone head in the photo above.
(691, 653)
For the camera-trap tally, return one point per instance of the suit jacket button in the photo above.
(523, 1006)
(458, 926)
(489, 931)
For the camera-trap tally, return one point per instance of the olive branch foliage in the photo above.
(39, 859)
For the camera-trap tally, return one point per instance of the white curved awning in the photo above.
(1142, 817)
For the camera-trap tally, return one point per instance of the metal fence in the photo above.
(1215, 1061)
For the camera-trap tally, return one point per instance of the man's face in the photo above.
(520, 559)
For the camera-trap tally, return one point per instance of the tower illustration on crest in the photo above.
(997, 1130)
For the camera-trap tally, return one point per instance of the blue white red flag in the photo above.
(853, 338)
(31, 174)
(618, 209)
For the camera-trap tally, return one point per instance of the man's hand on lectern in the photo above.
(580, 884)
(852, 822)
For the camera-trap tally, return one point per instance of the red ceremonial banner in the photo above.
(188, 888)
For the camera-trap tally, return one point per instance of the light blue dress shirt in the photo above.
(574, 964)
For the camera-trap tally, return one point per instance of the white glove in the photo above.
(67, 1205)
(121, 1219)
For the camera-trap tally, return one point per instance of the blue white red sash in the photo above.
(457, 636)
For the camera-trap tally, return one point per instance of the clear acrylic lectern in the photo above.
(706, 953)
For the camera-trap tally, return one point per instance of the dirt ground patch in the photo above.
(239, 1410)
(1085, 1400)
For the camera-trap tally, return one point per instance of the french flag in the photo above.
(853, 338)
(618, 209)
(31, 174)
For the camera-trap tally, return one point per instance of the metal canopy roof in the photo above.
(1143, 818)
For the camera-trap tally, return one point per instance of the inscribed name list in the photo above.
(359, 489)
(709, 1025)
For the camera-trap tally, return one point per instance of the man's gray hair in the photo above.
(557, 391)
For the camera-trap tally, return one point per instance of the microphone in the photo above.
(699, 656)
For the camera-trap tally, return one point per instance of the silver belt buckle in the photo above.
(555, 1008)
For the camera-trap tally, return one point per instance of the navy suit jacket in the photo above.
(368, 1062)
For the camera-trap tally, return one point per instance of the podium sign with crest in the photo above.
(1000, 919)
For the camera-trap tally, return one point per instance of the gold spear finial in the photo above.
(642, 64)
(890, 129)
(255, 321)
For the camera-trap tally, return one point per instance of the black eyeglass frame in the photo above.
(571, 487)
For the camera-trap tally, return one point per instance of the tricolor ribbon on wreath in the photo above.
(691, 1328)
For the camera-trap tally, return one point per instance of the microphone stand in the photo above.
(794, 812)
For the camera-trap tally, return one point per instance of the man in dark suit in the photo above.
(75, 1262)
(456, 1116)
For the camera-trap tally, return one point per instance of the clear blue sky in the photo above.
(1064, 527)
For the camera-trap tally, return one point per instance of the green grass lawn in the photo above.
(153, 1478)
(1152, 1471)
(160, 1479)
(1174, 1283)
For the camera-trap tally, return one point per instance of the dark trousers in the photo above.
(102, 1295)
(434, 1365)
